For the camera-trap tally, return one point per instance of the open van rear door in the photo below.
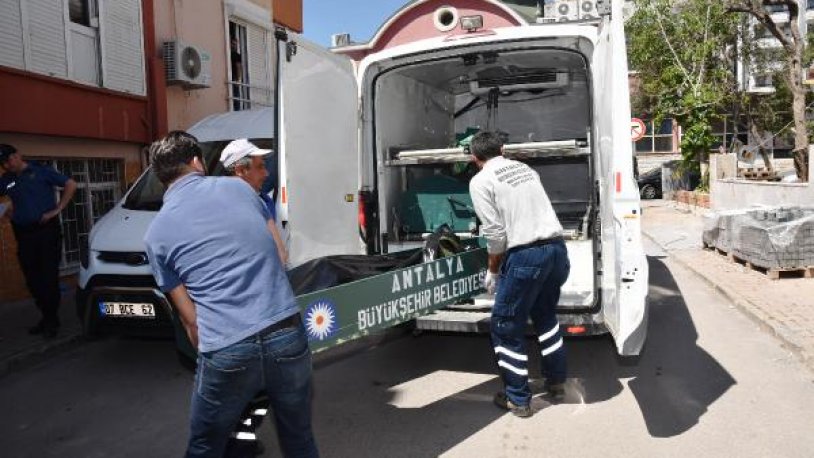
(318, 137)
(624, 265)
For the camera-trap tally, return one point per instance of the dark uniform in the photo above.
(38, 245)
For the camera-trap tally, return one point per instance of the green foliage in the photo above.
(682, 53)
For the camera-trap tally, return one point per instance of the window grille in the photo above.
(99, 187)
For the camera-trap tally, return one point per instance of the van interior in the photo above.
(424, 115)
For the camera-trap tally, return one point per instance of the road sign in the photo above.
(637, 129)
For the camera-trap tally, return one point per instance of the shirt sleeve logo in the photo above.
(320, 320)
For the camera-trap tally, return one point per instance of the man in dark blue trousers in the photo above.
(35, 221)
(528, 264)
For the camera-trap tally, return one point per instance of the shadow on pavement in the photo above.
(674, 380)
(437, 389)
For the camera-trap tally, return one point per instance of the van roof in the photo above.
(257, 123)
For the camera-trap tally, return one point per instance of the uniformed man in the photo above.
(528, 264)
(35, 220)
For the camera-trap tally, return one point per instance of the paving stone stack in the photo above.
(774, 238)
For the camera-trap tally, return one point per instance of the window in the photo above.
(80, 12)
(657, 140)
(99, 186)
(250, 66)
(238, 70)
(724, 132)
(99, 47)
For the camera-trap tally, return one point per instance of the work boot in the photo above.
(504, 403)
(554, 391)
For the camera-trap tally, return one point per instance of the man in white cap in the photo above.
(243, 159)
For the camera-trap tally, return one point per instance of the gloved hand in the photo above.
(490, 282)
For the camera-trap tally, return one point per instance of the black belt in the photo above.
(535, 243)
(290, 322)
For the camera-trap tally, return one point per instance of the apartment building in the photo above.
(85, 88)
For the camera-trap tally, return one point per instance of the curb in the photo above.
(745, 306)
(36, 354)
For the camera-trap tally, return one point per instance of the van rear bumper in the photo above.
(466, 321)
(99, 290)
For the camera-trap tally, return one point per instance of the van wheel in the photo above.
(649, 192)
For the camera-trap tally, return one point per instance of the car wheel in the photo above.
(649, 192)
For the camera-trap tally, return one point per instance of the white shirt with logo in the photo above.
(512, 205)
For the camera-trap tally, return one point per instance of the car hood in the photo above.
(121, 230)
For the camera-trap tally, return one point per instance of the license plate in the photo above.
(127, 309)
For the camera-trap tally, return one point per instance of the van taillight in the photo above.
(363, 215)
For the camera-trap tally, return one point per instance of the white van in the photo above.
(385, 140)
(559, 95)
(313, 177)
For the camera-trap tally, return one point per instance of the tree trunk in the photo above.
(798, 93)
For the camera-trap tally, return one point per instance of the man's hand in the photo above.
(186, 311)
(48, 216)
(490, 282)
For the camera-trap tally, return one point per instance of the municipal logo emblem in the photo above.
(320, 320)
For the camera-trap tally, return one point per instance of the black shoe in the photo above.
(50, 332)
(521, 411)
(38, 329)
(555, 391)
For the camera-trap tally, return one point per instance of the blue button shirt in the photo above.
(32, 192)
(211, 236)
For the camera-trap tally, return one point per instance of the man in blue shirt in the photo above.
(211, 250)
(35, 220)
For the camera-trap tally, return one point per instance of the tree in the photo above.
(793, 46)
(679, 50)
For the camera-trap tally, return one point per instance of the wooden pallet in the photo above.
(759, 174)
(773, 273)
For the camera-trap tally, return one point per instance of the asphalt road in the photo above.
(710, 383)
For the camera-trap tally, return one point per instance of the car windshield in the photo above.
(148, 192)
(650, 174)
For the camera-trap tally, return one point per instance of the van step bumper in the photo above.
(469, 321)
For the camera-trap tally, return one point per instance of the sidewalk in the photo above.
(17, 347)
(783, 307)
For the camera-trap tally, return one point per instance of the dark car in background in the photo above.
(650, 184)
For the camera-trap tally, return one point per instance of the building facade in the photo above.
(85, 88)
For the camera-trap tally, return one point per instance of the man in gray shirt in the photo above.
(528, 264)
(211, 250)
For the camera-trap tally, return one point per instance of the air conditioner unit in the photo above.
(481, 85)
(571, 10)
(187, 65)
(587, 10)
(562, 10)
(340, 39)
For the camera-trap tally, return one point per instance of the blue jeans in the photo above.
(529, 287)
(278, 363)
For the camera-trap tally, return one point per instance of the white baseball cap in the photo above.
(238, 149)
